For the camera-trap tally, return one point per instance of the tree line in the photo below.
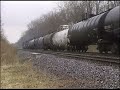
(69, 12)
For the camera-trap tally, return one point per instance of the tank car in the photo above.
(35, 43)
(60, 40)
(40, 43)
(84, 33)
(47, 41)
(28, 44)
(25, 45)
(93, 30)
(109, 33)
(31, 44)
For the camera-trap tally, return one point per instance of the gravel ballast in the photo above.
(90, 74)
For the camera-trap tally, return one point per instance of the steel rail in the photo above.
(87, 56)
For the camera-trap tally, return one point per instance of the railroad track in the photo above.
(88, 56)
(92, 57)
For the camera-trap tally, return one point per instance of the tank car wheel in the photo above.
(114, 48)
(100, 48)
(106, 52)
(54, 49)
(86, 48)
(73, 49)
(101, 51)
(79, 50)
(68, 48)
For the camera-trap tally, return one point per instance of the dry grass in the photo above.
(23, 76)
(17, 75)
(8, 53)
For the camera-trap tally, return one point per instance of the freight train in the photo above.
(102, 29)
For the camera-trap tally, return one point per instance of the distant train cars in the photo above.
(102, 29)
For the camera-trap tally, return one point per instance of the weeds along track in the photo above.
(88, 55)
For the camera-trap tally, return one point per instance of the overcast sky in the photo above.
(17, 14)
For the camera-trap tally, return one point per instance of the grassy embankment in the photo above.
(21, 75)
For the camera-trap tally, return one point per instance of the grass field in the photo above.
(21, 75)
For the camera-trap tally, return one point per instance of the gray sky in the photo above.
(17, 14)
